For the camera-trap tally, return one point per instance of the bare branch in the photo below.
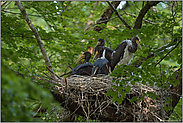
(124, 22)
(139, 61)
(168, 53)
(34, 30)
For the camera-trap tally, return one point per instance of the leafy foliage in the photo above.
(61, 26)
(14, 92)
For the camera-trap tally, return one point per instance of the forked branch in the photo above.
(124, 22)
(138, 22)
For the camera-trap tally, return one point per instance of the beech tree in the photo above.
(40, 41)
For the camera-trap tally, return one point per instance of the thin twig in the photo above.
(65, 74)
(168, 53)
(50, 81)
(73, 111)
(37, 110)
(143, 19)
(53, 73)
(44, 73)
(102, 22)
(119, 15)
(18, 73)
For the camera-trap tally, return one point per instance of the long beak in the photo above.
(79, 59)
(91, 50)
(97, 44)
(138, 44)
(95, 55)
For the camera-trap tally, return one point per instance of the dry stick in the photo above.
(73, 112)
(168, 53)
(34, 30)
(37, 110)
(119, 15)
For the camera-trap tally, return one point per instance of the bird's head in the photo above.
(98, 52)
(135, 39)
(100, 42)
(90, 49)
(86, 55)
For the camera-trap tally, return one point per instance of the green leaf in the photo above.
(128, 88)
(133, 99)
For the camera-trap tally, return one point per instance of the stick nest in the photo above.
(90, 95)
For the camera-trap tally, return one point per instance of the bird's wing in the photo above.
(76, 69)
(109, 49)
(118, 54)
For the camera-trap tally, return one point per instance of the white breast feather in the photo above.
(128, 56)
(103, 55)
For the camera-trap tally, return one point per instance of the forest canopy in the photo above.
(67, 28)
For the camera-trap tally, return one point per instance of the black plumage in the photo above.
(108, 51)
(123, 54)
(105, 52)
(101, 65)
(83, 69)
(100, 42)
(86, 67)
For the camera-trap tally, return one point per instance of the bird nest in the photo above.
(89, 93)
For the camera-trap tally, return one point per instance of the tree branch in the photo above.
(124, 22)
(138, 22)
(19, 13)
(143, 19)
(106, 15)
(168, 53)
(34, 30)
(139, 61)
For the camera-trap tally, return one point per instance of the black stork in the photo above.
(101, 65)
(123, 54)
(86, 67)
(105, 52)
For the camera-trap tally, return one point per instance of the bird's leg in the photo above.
(110, 70)
(95, 71)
